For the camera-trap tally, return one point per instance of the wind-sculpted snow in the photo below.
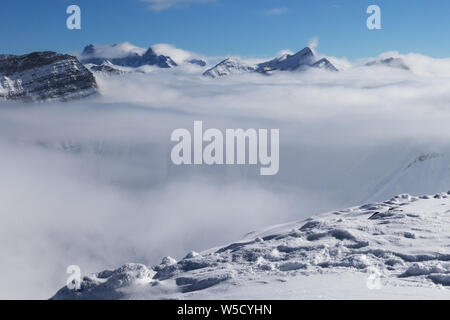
(400, 243)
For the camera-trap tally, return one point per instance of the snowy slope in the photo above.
(227, 67)
(288, 62)
(424, 173)
(393, 249)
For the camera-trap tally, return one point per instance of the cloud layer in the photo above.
(91, 182)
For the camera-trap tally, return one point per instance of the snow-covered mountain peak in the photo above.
(288, 62)
(393, 245)
(229, 66)
(128, 55)
(299, 61)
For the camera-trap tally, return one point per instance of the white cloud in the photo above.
(275, 11)
(284, 52)
(91, 182)
(160, 5)
(180, 56)
(119, 50)
(313, 44)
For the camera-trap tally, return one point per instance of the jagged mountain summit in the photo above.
(389, 62)
(44, 76)
(288, 62)
(127, 55)
(124, 57)
(299, 61)
(229, 66)
(399, 246)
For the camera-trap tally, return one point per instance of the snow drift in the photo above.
(398, 244)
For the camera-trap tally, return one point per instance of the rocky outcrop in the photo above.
(45, 75)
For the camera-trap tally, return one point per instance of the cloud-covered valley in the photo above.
(91, 182)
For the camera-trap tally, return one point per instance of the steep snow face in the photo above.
(44, 76)
(227, 67)
(399, 246)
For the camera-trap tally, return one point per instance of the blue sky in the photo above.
(249, 28)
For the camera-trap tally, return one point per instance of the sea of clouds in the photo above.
(91, 183)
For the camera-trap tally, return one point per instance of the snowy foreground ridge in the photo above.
(390, 250)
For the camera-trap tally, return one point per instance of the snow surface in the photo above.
(397, 249)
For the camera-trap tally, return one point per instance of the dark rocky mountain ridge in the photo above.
(44, 76)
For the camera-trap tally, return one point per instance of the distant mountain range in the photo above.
(299, 61)
(127, 55)
(49, 75)
(108, 58)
